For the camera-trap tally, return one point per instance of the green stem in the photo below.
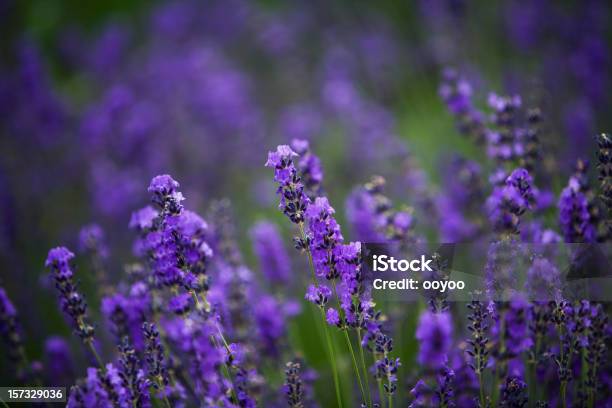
(380, 391)
(390, 401)
(332, 358)
(355, 366)
(363, 366)
(563, 392)
(96, 355)
(481, 390)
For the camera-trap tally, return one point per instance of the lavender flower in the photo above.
(507, 203)
(71, 301)
(165, 194)
(456, 92)
(10, 331)
(319, 295)
(310, 168)
(133, 378)
(325, 237)
(604, 142)
(434, 334)
(273, 258)
(154, 357)
(479, 342)
(574, 215)
(514, 393)
(293, 385)
(59, 363)
(293, 200)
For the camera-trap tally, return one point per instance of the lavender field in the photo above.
(191, 193)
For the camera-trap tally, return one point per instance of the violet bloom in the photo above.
(333, 317)
(10, 330)
(604, 142)
(362, 217)
(154, 357)
(309, 166)
(434, 334)
(325, 236)
(91, 239)
(126, 312)
(270, 323)
(502, 141)
(71, 301)
(58, 361)
(293, 200)
(133, 378)
(543, 281)
(91, 393)
(456, 92)
(319, 295)
(294, 389)
(574, 215)
(174, 241)
(508, 202)
(514, 393)
(271, 253)
(165, 194)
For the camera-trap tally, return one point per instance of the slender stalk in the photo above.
(95, 354)
(350, 346)
(390, 404)
(355, 366)
(4, 404)
(332, 358)
(481, 390)
(363, 365)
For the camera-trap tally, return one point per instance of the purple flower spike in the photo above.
(434, 333)
(332, 317)
(293, 200)
(165, 194)
(10, 331)
(273, 258)
(318, 295)
(72, 302)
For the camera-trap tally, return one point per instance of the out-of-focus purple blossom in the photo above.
(456, 92)
(604, 142)
(543, 281)
(293, 386)
(574, 215)
(274, 261)
(362, 216)
(92, 239)
(126, 313)
(301, 121)
(59, 363)
(270, 323)
(434, 334)
(508, 202)
(91, 393)
(10, 331)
